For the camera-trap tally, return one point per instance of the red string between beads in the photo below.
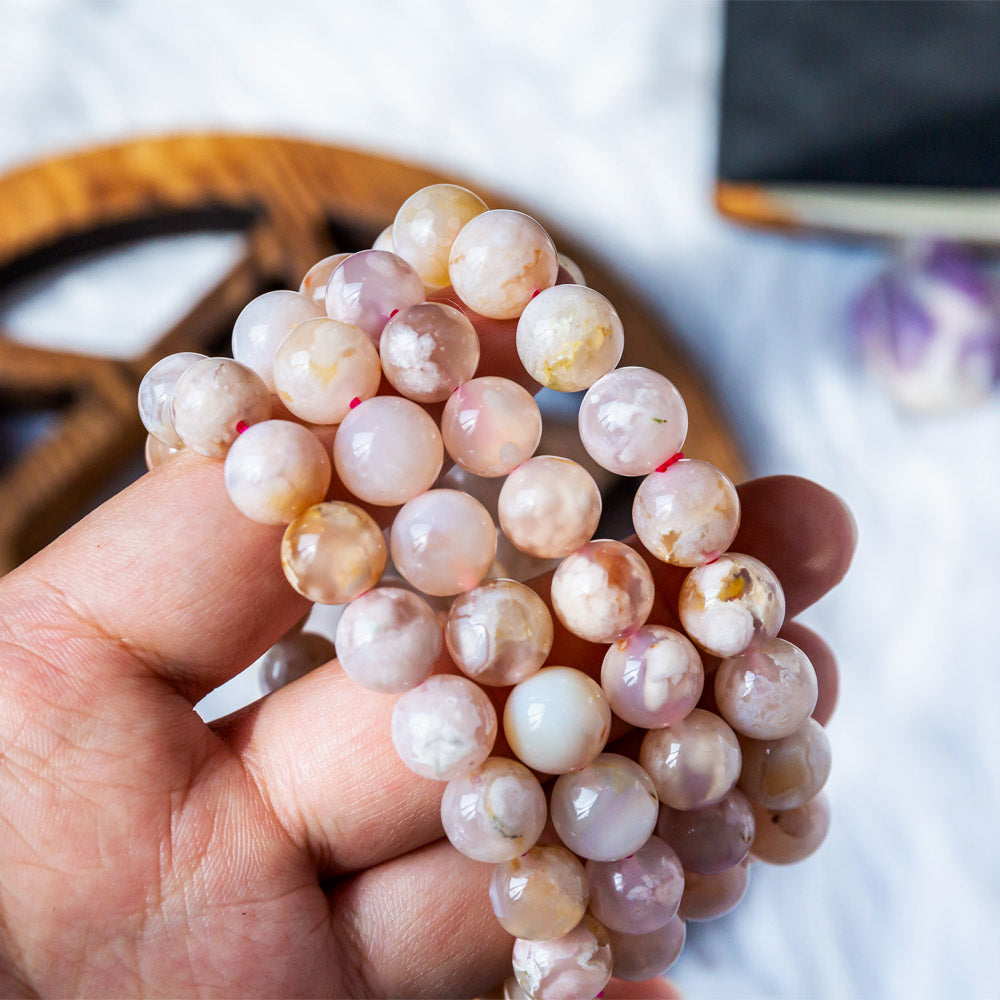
(393, 313)
(241, 426)
(355, 402)
(670, 461)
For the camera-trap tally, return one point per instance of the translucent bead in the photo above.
(558, 720)
(632, 421)
(603, 591)
(786, 773)
(444, 728)
(637, 894)
(728, 603)
(388, 450)
(790, 836)
(540, 895)
(568, 337)
(428, 351)
(333, 553)
(426, 226)
(644, 956)
(694, 762)
(606, 810)
(496, 813)
(768, 691)
(569, 271)
(264, 323)
(512, 990)
(156, 393)
(576, 966)
(316, 278)
(214, 400)
(388, 640)
(688, 514)
(322, 366)
(709, 896)
(384, 241)
(712, 839)
(156, 452)
(443, 542)
(499, 633)
(369, 287)
(491, 425)
(653, 677)
(499, 260)
(275, 470)
(292, 657)
(549, 506)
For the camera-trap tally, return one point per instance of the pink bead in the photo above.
(576, 966)
(653, 677)
(156, 394)
(316, 278)
(790, 836)
(639, 957)
(712, 839)
(709, 896)
(786, 773)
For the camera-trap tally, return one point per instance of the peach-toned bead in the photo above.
(786, 773)
(264, 323)
(512, 990)
(709, 896)
(712, 839)
(576, 966)
(384, 241)
(156, 393)
(790, 836)
(569, 271)
(639, 957)
(333, 553)
(156, 452)
(316, 278)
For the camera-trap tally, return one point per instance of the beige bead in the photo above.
(790, 836)
(786, 773)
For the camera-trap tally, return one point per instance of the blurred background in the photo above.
(854, 358)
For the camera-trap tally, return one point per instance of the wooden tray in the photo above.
(295, 202)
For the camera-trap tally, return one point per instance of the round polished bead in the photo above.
(388, 639)
(639, 957)
(491, 425)
(388, 450)
(316, 278)
(711, 839)
(444, 728)
(688, 514)
(499, 260)
(512, 990)
(495, 813)
(157, 453)
(371, 286)
(156, 394)
(768, 691)
(264, 323)
(653, 677)
(499, 633)
(384, 241)
(539, 895)
(293, 656)
(557, 720)
(639, 893)
(709, 896)
(443, 542)
(572, 967)
(632, 421)
(426, 225)
(333, 552)
(790, 836)
(728, 603)
(786, 773)
(428, 351)
(568, 337)
(569, 271)
(275, 470)
(322, 366)
(549, 507)
(213, 401)
(603, 591)
(606, 810)
(694, 762)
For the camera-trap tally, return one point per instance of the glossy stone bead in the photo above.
(694, 762)
(632, 421)
(639, 957)
(603, 591)
(316, 278)
(495, 813)
(388, 639)
(639, 893)
(727, 604)
(688, 514)
(384, 241)
(786, 773)
(512, 990)
(606, 810)
(709, 896)
(428, 351)
(768, 691)
(157, 453)
(275, 470)
(444, 728)
(549, 507)
(333, 552)
(388, 450)
(791, 835)
(264, 323)
(156, 394)
(214, 400)
(576, 966)
(291, 657)
(557, 720)
(711, 839)
(491, 425)
(569, 271)
(499, 633)
(653, 677)
(568, 337)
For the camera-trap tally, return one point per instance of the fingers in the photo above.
(822, 658)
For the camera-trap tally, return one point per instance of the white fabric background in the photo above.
(604, 115)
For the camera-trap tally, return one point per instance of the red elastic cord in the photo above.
(670, 461)
(355, 402)
(241, 426)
